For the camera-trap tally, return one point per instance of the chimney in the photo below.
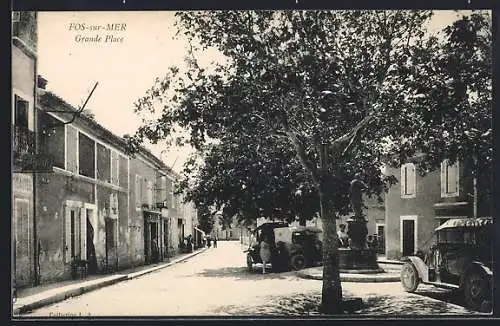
(41, 82)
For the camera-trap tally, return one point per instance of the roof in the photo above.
(465, 223)
(48, 101)
(306, 228)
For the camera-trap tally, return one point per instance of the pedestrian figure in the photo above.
(265, 253)
(155, 251)
(215, 242)
(356, 191)
(342, 236)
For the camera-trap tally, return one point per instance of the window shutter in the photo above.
(457, 178)
(403, 179)
(412, 179)
(67, 235)
(443, 177)
(83, 233)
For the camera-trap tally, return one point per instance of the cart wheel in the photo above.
(297, 262)
(476, 289)
(409, 277)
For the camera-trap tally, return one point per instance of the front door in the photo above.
(381, 238)
(89, 216)
(408, 237)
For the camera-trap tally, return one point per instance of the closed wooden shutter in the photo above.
(444, 180)
(83, 233)
(403, 180)
(411, 179)
(67, 234)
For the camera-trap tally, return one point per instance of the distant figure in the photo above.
(342, 236)
(265, 253)
(215, 242)
(356, 191)
(155, 251)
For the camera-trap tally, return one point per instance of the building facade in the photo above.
(23, 132)
(417, 204)
(99, 206)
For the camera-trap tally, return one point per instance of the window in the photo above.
(86, 156)
(163, 191)
(52, 137)
(123, 172)
(149, 192)
(114, 168)
(449, 179)
(23, 138)
(21, 112)
(173, 196)
(408, 181)
(103, 163)
(138, 191)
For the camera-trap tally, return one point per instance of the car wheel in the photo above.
(249, 262)
(297, 262)
(409, 277)
(476, 289)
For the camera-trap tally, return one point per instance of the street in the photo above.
(216, 282)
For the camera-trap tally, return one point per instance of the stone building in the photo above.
(99, 206)
(417, 204)
(23, 133)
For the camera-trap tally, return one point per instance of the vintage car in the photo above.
(292, 248)
(459, 259)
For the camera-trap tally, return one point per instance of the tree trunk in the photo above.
(475, 194)
(331, 298)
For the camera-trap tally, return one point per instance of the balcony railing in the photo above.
(25, 157)
(23, 142)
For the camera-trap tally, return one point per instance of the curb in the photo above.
(79, 290)
(154, 269)
(361, 278)
(66, 294)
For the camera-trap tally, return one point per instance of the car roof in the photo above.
(456, 223)
(271, 224)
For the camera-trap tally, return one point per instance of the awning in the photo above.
(465, 223)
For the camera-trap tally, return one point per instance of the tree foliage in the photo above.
(305, 90)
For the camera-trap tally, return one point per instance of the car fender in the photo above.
(474, 265)
(420, 266)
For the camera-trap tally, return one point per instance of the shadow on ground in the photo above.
(450, 296)
(307, 304)
(242, 273)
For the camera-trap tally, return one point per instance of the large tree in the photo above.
(331, 92)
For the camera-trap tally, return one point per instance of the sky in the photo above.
(123, 69)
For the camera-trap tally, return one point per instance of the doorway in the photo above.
(408, 230)
(89, 216)
(381, 238)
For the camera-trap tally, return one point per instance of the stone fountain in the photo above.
(358, 257)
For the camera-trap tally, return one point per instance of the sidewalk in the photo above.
(39, 296)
